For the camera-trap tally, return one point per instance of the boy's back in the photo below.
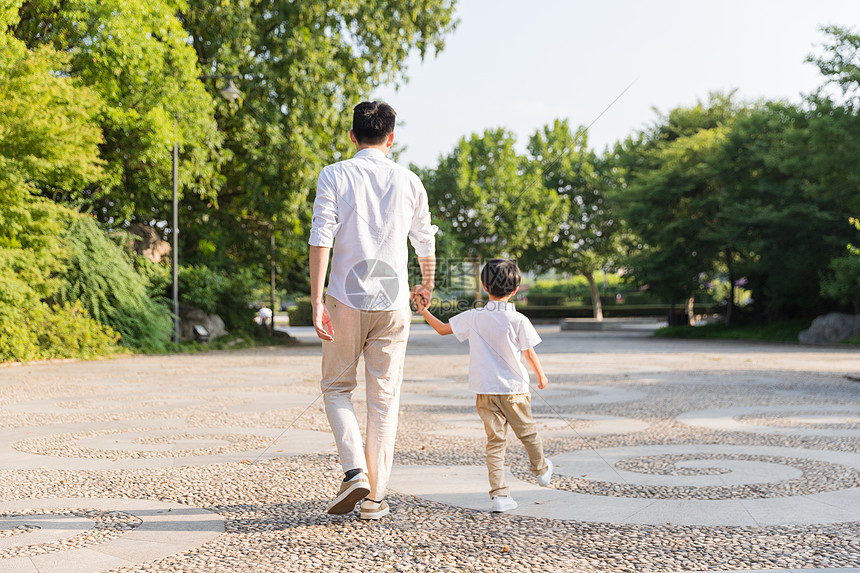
(497, 335)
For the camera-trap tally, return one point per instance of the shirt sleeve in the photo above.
(422, 234)
(527, 336)
(324, 223)
(461, 325)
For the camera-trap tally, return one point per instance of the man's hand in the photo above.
(322, 321)
(421, 292)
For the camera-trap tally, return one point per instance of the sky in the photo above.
(522, 64)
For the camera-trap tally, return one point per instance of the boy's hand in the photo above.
(418, 301)
(542, 382)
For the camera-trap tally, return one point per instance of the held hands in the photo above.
(420, 297)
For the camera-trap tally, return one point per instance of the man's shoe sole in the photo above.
(345, 502)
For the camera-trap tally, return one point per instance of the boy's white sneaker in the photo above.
(503, 503)
(543, 479)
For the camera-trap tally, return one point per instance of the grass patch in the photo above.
(238, 341)
(855, 341)
(785, 331)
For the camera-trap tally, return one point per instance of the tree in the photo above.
(493, 199)
(47, 141)
(303, 66)
(135, 56)
(586, 240)
(671, 195)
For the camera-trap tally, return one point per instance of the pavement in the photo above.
(681, 456)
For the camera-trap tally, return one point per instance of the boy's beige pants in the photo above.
(498, 411)
(382, 336)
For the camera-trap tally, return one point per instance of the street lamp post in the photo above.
(230, 93)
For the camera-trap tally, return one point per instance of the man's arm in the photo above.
(321, 317)
(533, 360)
(428, 278)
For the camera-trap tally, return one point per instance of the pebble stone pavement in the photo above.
(674, 456)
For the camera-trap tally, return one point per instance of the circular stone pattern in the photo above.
(557, 396)
(148, 444)
(709, 485)
(699, 472)
(836, 421)
(93, 534)
(577, 425)
(103, 404)
(53, 530)
(155, 443)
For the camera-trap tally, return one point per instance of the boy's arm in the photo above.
(439, 326)
(533, 360)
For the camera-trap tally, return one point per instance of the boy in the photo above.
(498, 335)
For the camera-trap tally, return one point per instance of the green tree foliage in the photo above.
(587, 240)
(842, 281)
(136, 57)
(670, 195)
(734, 198)
(493, 199)
(47, 141)
(303, 66)
(99, 275)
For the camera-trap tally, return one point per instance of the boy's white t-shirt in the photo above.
(497, 336)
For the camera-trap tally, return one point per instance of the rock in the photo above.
(149, 243)
(832, 327)
(190, 316)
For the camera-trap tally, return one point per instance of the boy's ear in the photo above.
(483, 286)
(515, 291)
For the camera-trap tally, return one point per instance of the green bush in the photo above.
(227, 294)
(577, 287)
(62, 331)
(100, 275)
(201, 287)
(302, 313)
(842, 283)
(540, 299)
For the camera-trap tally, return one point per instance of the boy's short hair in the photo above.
(373, 122)
(501, 277)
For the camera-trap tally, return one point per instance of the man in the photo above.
(365, 209)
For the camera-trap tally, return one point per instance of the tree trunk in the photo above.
(595, 296)
(731, 306)
(691, 311)
(272, 282)
(476, 270)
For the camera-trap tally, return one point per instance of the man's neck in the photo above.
(383, 148)
(500, 299)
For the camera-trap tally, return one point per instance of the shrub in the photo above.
(100, 275)
(62, 331)
(302, 313)
(227, 294)
(842, 283)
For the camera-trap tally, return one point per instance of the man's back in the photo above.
(377, 204)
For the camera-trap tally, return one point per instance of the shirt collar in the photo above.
(370, 152)
(499, 305)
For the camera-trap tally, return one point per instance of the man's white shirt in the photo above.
(497, 336)
(365, 209)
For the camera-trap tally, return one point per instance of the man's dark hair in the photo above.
(373, 122)
(501, 277)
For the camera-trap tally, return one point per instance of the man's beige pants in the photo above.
(498, 411)
(382, 336)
